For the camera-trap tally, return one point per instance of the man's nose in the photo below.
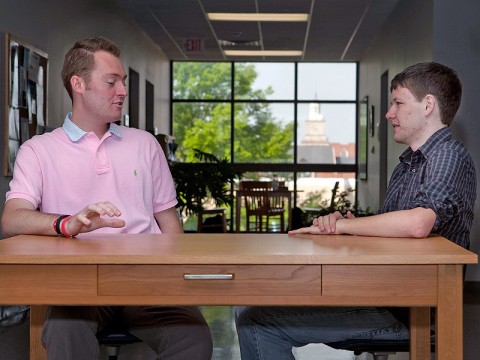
(122, 91)
(389, 114)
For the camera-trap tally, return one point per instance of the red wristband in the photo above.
(57, 222)
(63, 227)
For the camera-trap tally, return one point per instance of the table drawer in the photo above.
(245, 280)
(381, 282)
(40, 282)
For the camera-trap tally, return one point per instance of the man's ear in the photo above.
(77, 84)
(430, 102)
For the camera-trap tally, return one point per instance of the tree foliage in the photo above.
(204, 121)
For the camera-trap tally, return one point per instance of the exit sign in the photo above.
(193, 45)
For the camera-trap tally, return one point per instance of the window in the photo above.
(296, 121)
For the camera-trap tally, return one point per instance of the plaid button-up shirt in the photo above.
(440, 176)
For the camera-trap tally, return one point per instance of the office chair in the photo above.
(379, 349)
(113, 339)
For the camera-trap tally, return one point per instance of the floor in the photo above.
(221, 322)
(14, 341)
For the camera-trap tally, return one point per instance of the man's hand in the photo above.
(90, 218)
(323, 225)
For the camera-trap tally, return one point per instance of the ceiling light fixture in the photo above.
(257, 17)
(263, 52)
(238, 42)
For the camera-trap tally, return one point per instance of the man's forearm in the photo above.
(18, 219)
(415, 223)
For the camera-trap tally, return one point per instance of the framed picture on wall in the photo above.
(149, 107)
(133, 98)
(25, 104)
(362, 143)
(371, 121)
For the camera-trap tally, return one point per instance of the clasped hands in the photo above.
(323, 225)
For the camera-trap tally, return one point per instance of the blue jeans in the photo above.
(267, 333)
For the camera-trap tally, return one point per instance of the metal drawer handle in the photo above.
(208, 276)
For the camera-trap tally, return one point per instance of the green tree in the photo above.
(204, 122)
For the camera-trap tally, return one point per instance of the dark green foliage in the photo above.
(338, 202)
(209, 179)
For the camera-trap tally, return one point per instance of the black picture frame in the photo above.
(24, 107)
(363, 134)
(133, 98)
(371, 121)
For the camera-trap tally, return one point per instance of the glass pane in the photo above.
(285, 182)
(326, 133)
(263, 133)
(327, 81)
(202, 80)
(283, 178)
(315, 190)
(264, 81)
(203, 126)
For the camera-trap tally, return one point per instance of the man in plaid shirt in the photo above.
(432, 190)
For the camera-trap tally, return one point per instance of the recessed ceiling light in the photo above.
(238, 42)
(263, 52)
(257, 17)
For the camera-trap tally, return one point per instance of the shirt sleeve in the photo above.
(27, 177)
(442, 190)
(164, 194)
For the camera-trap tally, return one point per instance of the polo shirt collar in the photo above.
(75, 133)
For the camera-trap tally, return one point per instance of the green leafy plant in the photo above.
(208, 180)
(338, 201)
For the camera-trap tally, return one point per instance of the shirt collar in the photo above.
(75, 133)
(440, 136)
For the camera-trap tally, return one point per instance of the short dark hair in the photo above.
(435, 79)
(79, 59)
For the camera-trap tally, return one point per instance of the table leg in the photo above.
(449, 317)
(37, 318)
(420, 333)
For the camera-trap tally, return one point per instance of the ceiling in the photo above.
(337, 30)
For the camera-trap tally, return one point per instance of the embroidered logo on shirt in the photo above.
(134, 172)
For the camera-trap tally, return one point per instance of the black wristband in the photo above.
(58, 222)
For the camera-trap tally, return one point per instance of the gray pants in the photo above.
(172, 332)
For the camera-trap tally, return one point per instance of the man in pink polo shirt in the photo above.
(93, 175)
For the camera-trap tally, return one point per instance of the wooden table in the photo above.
(243, 269)
(239, 200)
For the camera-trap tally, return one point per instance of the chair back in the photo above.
(254, 185)
(255, 195)
(276, 201)
(262, 203)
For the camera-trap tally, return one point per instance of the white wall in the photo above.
(405, 39)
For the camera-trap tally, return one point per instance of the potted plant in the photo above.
(207, 181)
(339, 201)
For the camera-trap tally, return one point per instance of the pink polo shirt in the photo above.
(65, 170)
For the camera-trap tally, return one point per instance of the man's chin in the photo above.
(399, 140)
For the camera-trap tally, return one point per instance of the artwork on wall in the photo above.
(363, 124)
(371, 121)
(133, 98)
(150, 107)
(25, 100)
